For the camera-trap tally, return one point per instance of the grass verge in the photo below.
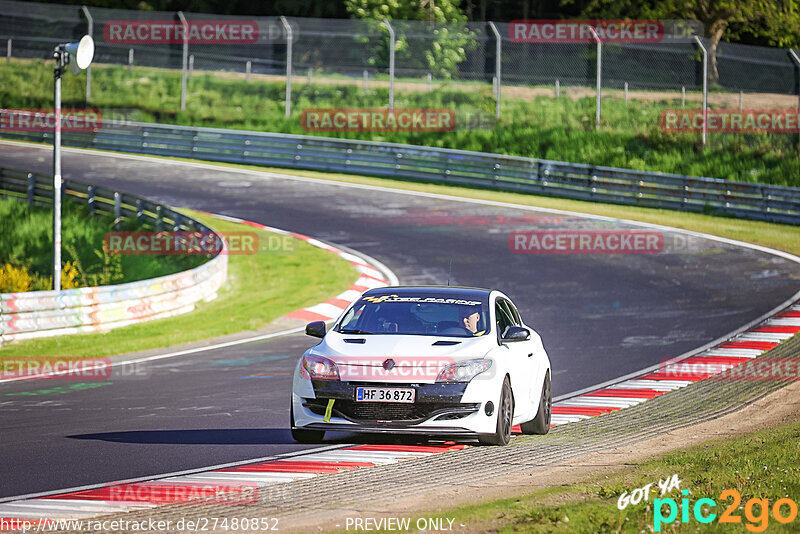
(261, 287)
(539, 126)
(760, 465)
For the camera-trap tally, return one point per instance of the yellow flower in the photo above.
(14, 279)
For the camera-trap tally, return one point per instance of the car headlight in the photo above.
(463, 371)
(320, 368)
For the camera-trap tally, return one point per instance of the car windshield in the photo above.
(425, 315)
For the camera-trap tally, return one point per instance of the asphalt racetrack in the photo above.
(600, 315)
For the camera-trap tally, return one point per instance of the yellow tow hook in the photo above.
(329, 410)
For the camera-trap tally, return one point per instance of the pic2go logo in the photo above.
(783, 511)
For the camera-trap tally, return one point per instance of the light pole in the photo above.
(391, 63)
(184, 58)
(498, 64)
(90, 33)
(289, 40)
(78, 56)
(705, 86)
(599, 97)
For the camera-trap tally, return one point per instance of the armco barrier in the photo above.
(511, 173)
(50, 313)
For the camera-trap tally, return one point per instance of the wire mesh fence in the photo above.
(434, 62)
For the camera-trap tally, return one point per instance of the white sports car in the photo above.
(435, 361)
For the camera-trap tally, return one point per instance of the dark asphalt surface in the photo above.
(208, 408)
(600, 316)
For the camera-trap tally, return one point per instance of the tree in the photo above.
(437, 47)
(778, 20)
(430, 10)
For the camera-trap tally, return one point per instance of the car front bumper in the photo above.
(439, 409)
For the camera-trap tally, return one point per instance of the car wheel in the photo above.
(541, 423)
(505, 413)
(302, 435)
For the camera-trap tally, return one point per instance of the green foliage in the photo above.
(542, 127)
(434, 11)
(105, 269)
(440, 54)
(26, 244)
(779, 20)
(775, 21)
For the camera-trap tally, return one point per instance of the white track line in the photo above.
(771, 337)
(600, 402)
(784, 321)
(229, 476)
(738, 353)
(657, 385)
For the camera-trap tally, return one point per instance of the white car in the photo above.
(435, 361)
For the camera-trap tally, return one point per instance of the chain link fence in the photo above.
(433, 62)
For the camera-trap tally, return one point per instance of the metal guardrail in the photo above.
(49, 313)
(508, 173)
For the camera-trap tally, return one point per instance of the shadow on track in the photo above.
(244, 436)
(214, 436)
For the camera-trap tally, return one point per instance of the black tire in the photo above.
(541, 423)
(301, 435)
(505, 414)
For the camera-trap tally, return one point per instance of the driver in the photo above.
(469, 316)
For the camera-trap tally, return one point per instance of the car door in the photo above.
(535, 358)
(522, 365)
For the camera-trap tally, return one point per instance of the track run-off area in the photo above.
(601, 316)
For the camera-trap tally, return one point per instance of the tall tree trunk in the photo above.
(715, 32)
(483, 9)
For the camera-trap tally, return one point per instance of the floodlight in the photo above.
(80, 54)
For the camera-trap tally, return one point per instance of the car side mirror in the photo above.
(315, 329)
(516, 333)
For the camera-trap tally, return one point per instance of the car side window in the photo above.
(511, 312)
(504, 318)
(514, 313)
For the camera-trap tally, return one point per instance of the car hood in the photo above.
(398, 358)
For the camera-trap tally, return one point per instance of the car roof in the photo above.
(454, 291)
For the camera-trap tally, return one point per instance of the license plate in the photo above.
(385, 395)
